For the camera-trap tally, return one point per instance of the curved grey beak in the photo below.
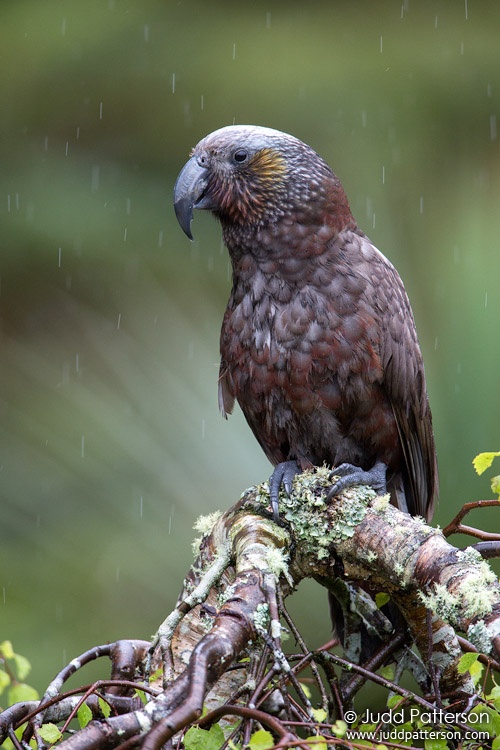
(189, 193)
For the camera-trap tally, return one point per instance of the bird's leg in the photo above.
(351, 476)
(283, 474)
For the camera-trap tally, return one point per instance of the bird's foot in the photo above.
(350, 476)
(282, 475)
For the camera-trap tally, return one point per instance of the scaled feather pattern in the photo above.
(318, 342)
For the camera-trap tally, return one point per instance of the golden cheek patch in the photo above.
(267, 164)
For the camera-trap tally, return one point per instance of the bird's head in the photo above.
(252, 176)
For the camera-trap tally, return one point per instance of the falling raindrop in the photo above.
(141, 506)
(383, 175)
(160, 238)
(46, 143)
(59, 257)
(118, 321)
(63, 27)
(67, 148)
(421, 204)
(268, 20)
(146, 32)
(364, 117)
(173, 83)
(202, 102)
(82, 447)
(100, 110)
(171, 518)
(466, 11)
(486, 299)
(77, 362)
(234, 50)
(381, 44)
(125, 235)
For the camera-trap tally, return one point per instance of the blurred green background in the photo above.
(111, 441)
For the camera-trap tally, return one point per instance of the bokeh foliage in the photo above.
(111, 443)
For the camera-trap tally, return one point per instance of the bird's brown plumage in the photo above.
(318, 342)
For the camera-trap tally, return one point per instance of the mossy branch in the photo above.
(221, 645)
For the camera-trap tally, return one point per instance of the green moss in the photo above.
(307, 510)
(204, 524)
(262, 617)
(480, 637)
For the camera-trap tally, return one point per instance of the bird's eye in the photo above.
(240, 155)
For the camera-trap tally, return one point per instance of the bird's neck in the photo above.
(303, 227)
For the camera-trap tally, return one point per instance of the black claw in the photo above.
(282, 475)
(350, 476)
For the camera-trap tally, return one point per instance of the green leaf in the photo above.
(105, 707)
(388, 672)
(466, 661)
(485, 718)
(6, 650)
(495, 485)
(261, 740)
(476, 672)
(483, 461)
(494, 696)
(316, 742)
(307, 690)
(4, 681)
(319, 714)
(393, 701)
(84, 715)
(339, 728)
(495, 745)
(142, 695)
(433, 744)
(381, 598)
(22, 692)
(204, 739)
(50, 733)
(23, 667)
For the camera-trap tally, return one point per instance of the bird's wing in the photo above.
(226, 394)
(404, 382)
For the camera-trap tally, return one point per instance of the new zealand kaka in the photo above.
(318, 342)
